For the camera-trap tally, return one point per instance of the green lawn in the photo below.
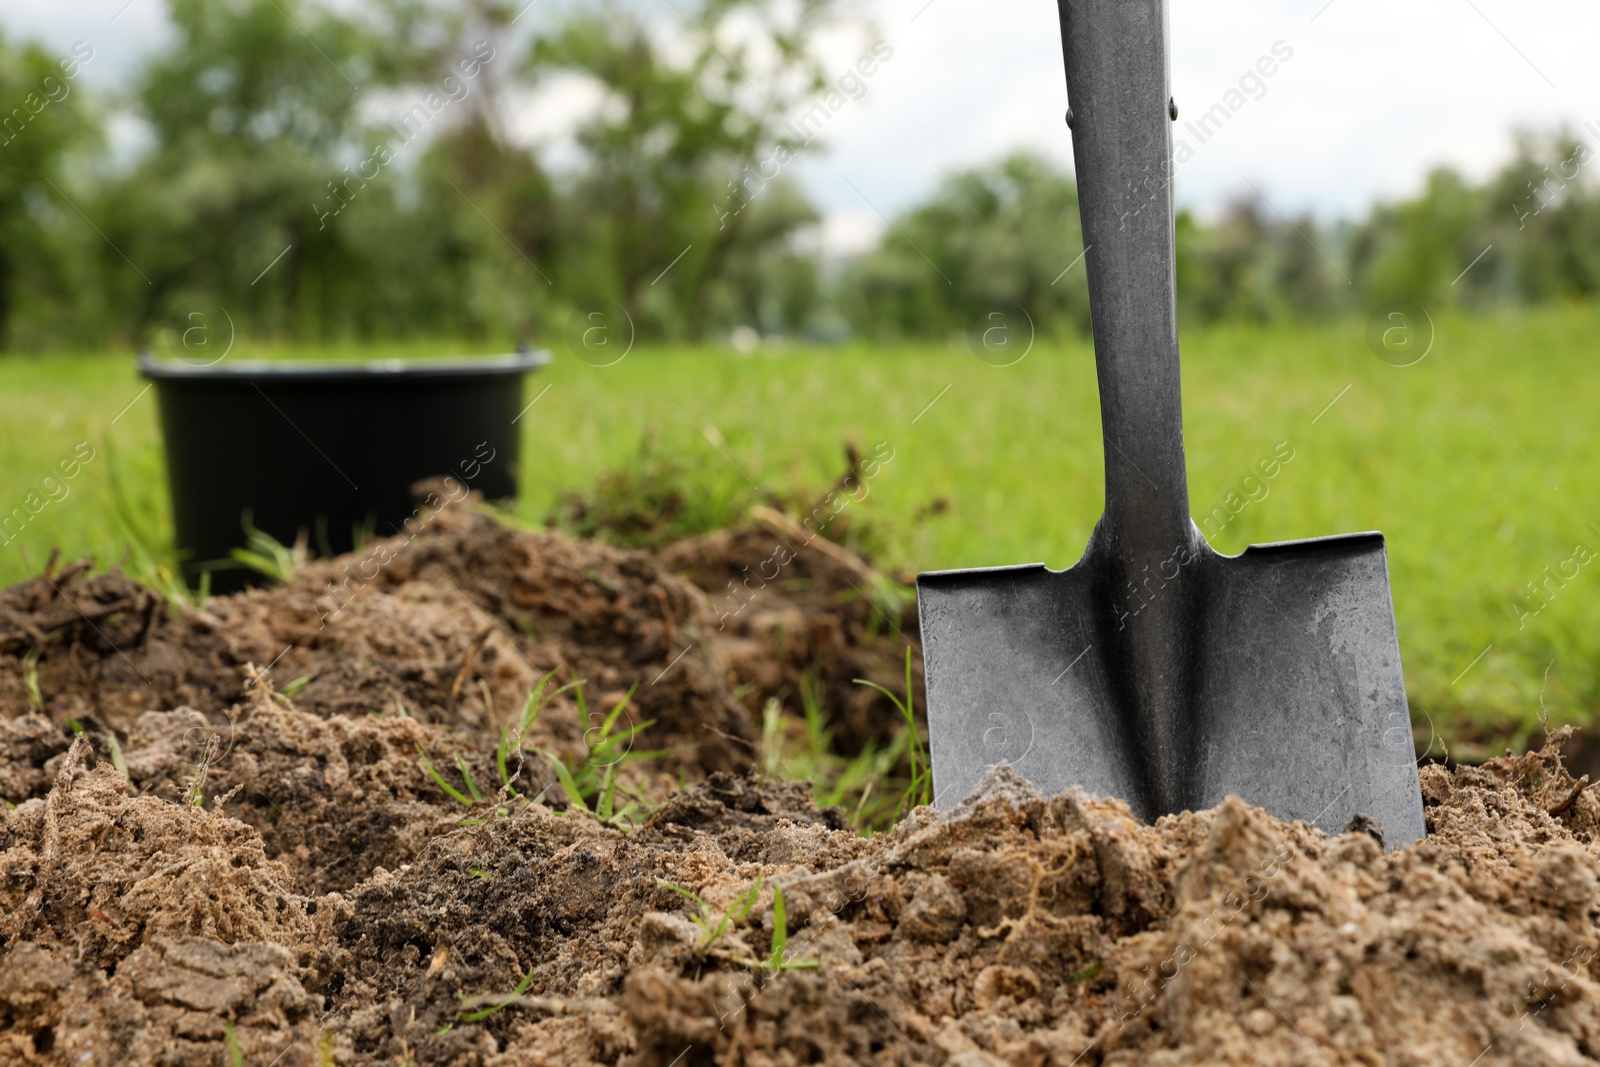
(1475, 463)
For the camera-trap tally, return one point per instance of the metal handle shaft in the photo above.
(1117, 85)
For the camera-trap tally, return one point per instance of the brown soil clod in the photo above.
(793, 609)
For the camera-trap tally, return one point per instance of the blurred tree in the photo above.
(772, 282)
(253, 115)
(693, 130)
(1224, 269)
(1305, 281)
(990, 240)
(487, 208)
(1544, 210)
(1531, 233)
(1414, 249)
(43, 120)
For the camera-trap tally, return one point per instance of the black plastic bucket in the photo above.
(330, 450)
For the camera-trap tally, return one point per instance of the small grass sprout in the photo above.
(293, 688)
(148, 555)
(919, 790)
(114, 747)
(470, 797)
(194, 793)
(483, 1013)
(865, 785)
(30, 678)
(605, 809)
(712, 923)
(230, 1041)
(511, 737)
(1083, 974)
(590, 785)
(608, 745)
(477, 1015)
(266, 555)
(777, 958)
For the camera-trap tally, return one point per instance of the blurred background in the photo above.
(802, 222)
(814, 162)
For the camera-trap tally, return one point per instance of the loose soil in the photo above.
(224, 849)
(798, 616)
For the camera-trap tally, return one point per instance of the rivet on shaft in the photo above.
(1069, 118)
(1172, 108)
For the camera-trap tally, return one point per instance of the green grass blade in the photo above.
(230, 1040)
(569, 785)
(455, 794)
(500, 752)
(780, 929)
(616, 712)
(608, 793)
(466, 776)
(682, 892)
(484, 1013)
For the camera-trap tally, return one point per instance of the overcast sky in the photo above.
(1374, 92)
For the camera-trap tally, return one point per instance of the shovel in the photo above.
(1155, 669)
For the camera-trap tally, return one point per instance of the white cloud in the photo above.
(849, 232)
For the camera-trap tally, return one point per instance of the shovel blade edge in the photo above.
(1302, 708)
(1016, 673)
(1299, 705)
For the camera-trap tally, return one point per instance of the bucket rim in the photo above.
(370, 370)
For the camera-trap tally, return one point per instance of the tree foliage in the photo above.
(993, 238)
(44, 121)
(358, 170)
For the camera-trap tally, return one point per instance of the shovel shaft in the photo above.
(1117, 85)
(1116, 61)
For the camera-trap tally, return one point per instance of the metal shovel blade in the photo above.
(1155, 669)
(1294, 695)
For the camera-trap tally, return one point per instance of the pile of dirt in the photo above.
(428, 643)
(1016, 929)
(77, 644)
(333, 799)
(614, 618)
(293, 828)
(801, 613)
(141, 931)
(799, 617)
(454, 626)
